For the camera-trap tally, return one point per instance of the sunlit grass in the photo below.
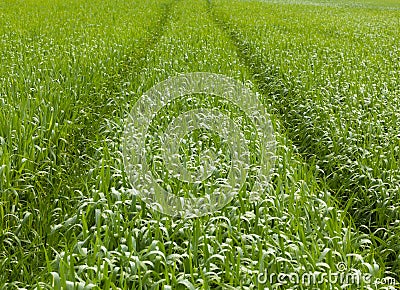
(336, 85)
(70, 73)
(59, 66)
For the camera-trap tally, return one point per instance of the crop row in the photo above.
(332, 74)
(59, 63)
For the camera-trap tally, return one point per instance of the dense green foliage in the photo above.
(335, 83)
(71, 70)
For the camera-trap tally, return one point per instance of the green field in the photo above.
(328, 74)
